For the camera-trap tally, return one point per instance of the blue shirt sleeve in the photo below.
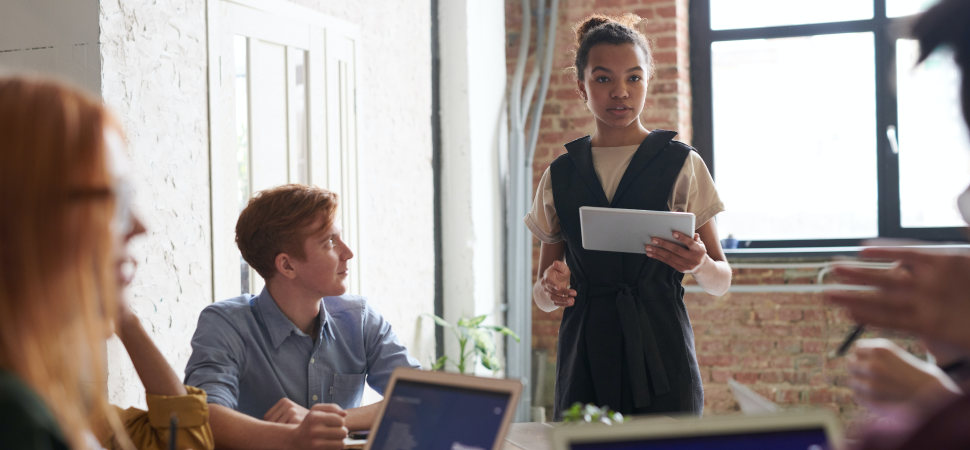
(384, 351)
(217, 358)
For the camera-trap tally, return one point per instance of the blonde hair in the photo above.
(58, 284)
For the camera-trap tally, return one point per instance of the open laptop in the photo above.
(443, 411)
(801, 430)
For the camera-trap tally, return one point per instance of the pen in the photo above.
(849, 339)
(173, 431)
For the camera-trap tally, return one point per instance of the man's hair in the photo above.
(278, 221)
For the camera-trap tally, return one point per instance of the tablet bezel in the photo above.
(609, 229)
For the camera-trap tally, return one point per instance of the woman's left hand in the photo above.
(680, 258)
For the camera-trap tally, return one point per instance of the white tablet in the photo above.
(627, 230)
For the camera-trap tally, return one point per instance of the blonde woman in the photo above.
(63, 266)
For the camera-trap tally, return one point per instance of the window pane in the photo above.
(897, 8)
(296, 75)
(793, 137)
(726, 14)
(241, 86)
(934, 153)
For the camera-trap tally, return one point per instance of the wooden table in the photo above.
(521, 436)
(527, 436)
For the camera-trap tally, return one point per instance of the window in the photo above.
(282, 110)
(819, 128)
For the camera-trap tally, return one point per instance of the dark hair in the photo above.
(948, 24)
(276, 221)
(601, 29)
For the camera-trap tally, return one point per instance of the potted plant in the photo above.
(590, 413)
(475, 343)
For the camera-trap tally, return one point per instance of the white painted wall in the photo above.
(53, 37)
(473, 138)
(154, 77)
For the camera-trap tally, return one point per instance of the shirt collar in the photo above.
(278, 326)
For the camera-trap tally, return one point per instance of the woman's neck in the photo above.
(605, 136)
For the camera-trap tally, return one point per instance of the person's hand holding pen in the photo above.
(926, 293)
(883, 377)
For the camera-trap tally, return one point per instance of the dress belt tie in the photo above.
(639, 343)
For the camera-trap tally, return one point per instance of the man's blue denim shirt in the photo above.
(247, 355)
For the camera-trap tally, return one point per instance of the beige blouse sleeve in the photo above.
(542, 220)
(694, 191)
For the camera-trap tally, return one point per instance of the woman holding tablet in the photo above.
(625, 340)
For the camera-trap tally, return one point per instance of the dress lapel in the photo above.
(582, 156)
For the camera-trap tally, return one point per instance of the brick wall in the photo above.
(775, 340)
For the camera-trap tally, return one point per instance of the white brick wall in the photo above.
(154, 77)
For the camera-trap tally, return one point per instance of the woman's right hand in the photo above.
(554, 285)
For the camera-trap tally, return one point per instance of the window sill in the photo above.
(820, 253)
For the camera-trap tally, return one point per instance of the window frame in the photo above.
(330, 47)
(885, 31)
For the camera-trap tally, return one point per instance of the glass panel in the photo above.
(241, 63)
(793, 138)
(727, 14)
(268, 112)
(297, 116)
(898, 8)
(934, 152)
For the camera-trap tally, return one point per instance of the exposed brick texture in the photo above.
(775, 342)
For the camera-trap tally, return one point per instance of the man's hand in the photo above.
(884, 376)
(555, 285)
(322, 428)
(926, 293)
(286, 411)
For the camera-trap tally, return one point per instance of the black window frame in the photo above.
(885, 32)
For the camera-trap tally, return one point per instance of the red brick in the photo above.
(771, 377)
(720, 375)
(715, 360)
(789, 315)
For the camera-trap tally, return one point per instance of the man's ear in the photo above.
(284, 266)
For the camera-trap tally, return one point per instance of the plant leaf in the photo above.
(483, 342)
(506, 331)
(441, 322)
(476, 321)
(490, 362)
(440, 363)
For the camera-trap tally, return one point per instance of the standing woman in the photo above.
(64, 263)
(625, 340)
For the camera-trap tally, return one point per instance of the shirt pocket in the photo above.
(346, 389)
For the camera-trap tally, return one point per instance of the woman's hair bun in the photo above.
(591, 22)
(628, 20)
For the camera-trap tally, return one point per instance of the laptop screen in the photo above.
(797, 439)
(431, 416)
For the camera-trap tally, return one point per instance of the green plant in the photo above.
(482, 348)
(590, 413)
